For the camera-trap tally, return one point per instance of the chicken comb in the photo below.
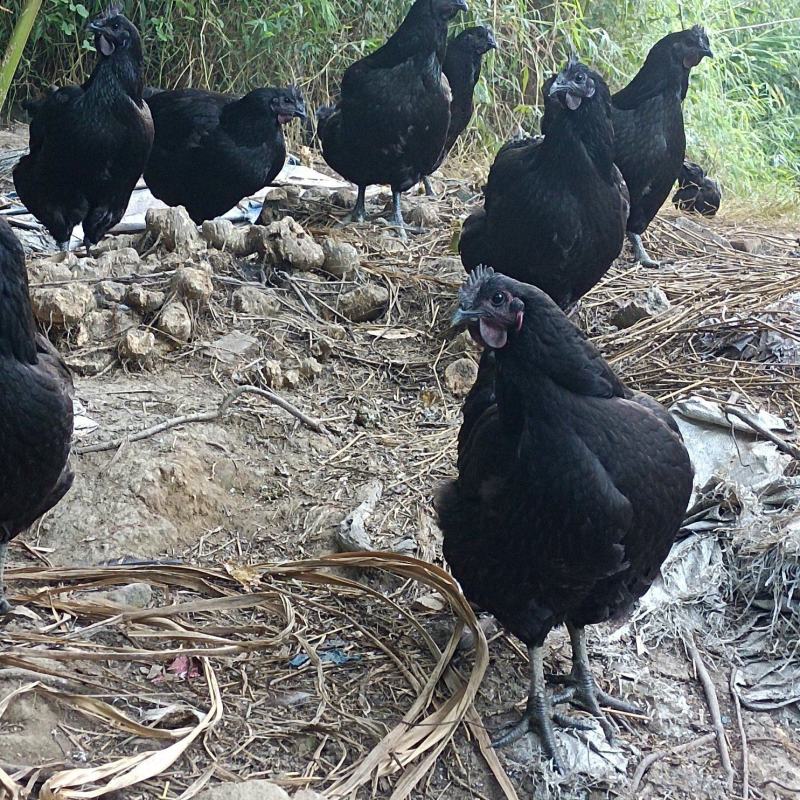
(468, 293)
(112, 10)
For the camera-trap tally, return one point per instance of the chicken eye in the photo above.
(580, 78)
(115, 26)
(498, 298)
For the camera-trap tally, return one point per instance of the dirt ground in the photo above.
(333, 668)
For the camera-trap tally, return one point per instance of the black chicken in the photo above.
(35, 408)
(390, 123)
(555, 208)
(211, 150)
(570, 488)
(696, 191)
(89, 143)
(649, 140)
(462, 68)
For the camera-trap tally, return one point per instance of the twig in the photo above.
(781, 444)
(206, 416)
(743, 736)
(651, 759)
(713, 707)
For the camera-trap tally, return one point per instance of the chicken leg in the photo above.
(582, 691)
(5, 606)
(397, 215)
(538, 716)
(359, 213)
(639, 253)
(426, 182)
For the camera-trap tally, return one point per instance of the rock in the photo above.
(231, 346)
(110, 292)
(343, 198)
(116, 263)
(747, 245)
(364, 304)
(644, 305)
(307, 794)
(423, 215)
(310, 368)
(463, 344)
(222, 234)
(335, 331)
(291, 378)
(64, 306)
(174, 228)
(174, 320)
(134, 595)
(101, 326)
(121, 242)
(89, 363)
(272, 373)
(286, 244)
(255, 302)
(145, 301)
(138, 346)
(460, 375)
(245, 790)
(341, 258)
(276, 204)
(193, 284)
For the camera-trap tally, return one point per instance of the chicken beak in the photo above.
(95, 26)
(463, 315)
(707, 52)
(491, 41)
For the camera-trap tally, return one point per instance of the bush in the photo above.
(743, 110)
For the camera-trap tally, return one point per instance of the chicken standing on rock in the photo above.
(555, 209)
(35, 408)
(570, 488)
(211, 150)
(696, 191)
(391, 121)
(649, 139)
(462, 68)
(89, 143)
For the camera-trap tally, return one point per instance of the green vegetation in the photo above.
(743, 111)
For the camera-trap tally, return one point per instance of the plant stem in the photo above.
(16, 44)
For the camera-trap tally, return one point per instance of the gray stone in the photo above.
(460, 375)
(110, 292)
(145, 301)
(364, 304)
(138, 346)
(246, 790)
(644, 305)
(423, 214)
(222, 234)
(64, 306)
(174, 320)
(174, 228)
(286, 244)
(193, 284)
(255, 302)
(107, 324)
(341, 258)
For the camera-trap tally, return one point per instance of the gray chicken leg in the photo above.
(5, 606)
(397, 215)
(359, 212)
(539, 716)
(639, 253)
(581, 689)
(426, 182)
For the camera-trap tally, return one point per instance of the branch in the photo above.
(206, 416)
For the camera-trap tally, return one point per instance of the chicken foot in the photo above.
(539, 717)
(5, 606)
(582, 690)
(639, 253)
(426, 182)
(397, 215)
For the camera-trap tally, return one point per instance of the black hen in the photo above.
(462, 68)
(35, 408)
(211, 150)
(648, 127)
(570, 489)
(555, 208)
(390, 123)
(696, 191)
(89, 143)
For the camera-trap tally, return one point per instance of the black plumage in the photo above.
(649, 137)
(555, 208)
(696, 191)
(462, 68)
(211, 150)
(390, 123)
(35, 408)
(89, 143)
(570, 488)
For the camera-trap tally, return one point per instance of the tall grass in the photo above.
(743, 109)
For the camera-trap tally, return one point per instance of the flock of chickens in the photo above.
(571, 488)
